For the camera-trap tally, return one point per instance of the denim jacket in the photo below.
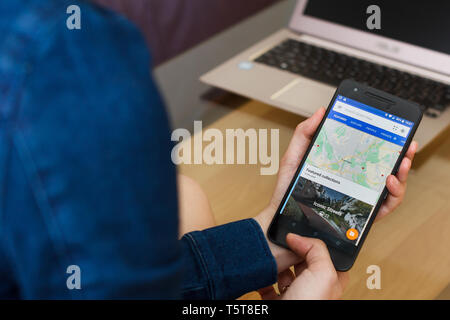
(86, 177)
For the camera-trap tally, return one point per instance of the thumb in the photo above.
(313, 251)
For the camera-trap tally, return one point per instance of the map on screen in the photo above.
(354, 155)
(346, 169)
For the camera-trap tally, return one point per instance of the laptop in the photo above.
(298, 68)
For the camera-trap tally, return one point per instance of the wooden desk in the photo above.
(411, 246)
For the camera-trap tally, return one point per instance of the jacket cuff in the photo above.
(234, 258)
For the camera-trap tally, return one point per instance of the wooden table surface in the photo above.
(411, 246)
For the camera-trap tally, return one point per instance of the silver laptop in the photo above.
(298, 68)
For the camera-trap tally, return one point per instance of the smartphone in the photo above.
(341, 181)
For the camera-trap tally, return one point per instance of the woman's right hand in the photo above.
(315, 276)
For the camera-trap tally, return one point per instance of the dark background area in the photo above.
(173, 26)
(422, 23)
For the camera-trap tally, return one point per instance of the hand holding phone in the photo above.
(313, 278)
(341, 182)
(291, 160)
(285, 258)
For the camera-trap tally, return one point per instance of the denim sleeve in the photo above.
(86, 173)
(227, 261)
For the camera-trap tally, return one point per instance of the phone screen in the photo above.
(345, 172)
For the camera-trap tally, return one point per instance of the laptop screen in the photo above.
(421, 23)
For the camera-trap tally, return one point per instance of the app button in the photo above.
(352, 234)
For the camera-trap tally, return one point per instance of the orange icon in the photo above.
(352, 234)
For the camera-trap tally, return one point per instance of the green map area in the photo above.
(353, 154)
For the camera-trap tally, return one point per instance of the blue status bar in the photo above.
(376, 111)
(368, 128)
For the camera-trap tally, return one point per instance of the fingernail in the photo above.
(392, 179)
(294, 235)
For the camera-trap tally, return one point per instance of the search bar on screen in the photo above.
(371, 119)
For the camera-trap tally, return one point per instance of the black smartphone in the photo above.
(341, 181)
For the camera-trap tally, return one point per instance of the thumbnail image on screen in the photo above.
(346, 169)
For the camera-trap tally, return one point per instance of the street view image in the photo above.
(327, 210)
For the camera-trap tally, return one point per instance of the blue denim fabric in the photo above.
(230, 260)
(86, 176)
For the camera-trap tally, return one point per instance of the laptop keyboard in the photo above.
(332, 67)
